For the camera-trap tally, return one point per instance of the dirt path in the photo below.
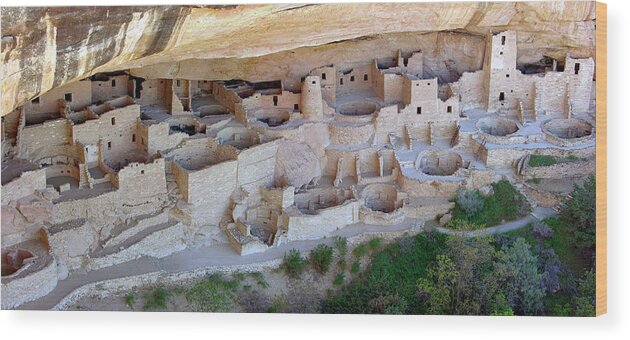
(196, 258)
(537, 214)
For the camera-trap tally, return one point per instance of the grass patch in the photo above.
(463, 225)
(156, 299)
(260, 279)
(374, 243)
(391, 272)
(505, 204)
(360, 250)
(542, 160)
(534, 180)
(339, 278)
(356, 266)
(213, 294)
(341, 245)
(320, 258)
(279, 305)
(341, 264)
(130, 300)
(294, 264)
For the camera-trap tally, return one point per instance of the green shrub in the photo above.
(534, 180)
(321, 258)
(463, 225)
(279, 305)
(341, 264)
(542, 160)
(374, 243)
(130, 300)
(213, 294)
(341, 244)
(339, 278)
(389, 304)
(356, 266)
(360, 250)
(470, 201)
(294, 264)
(260, 279)
(156, 299)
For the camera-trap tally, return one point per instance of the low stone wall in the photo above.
(31, 287)
(369, 216)
(25, 185)
(306, 227)
(560, 170)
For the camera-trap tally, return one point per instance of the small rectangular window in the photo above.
(109, 145)
(275, 100)
(314, 82)
(352, 78)
(113, 120)
(576, 68)
(449, 109)
(67, 97)
(35, 101)
(502, 96)
(503, 40)
(365, 77)
(296, 107)
(113, 82)
(324, 76)
(177, 82)
(133, 138)
(419, 110)
(507, 75)
(142, 172)
(340, 81)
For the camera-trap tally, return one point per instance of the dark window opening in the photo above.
(576, 68)
(133, 138)
(419, 110)
(324, 76)
(113, 82)
(314, 82)
(502, 96)
(352, 78)
(503, 40)
(275, 100)
(177, 82)
(507, 75)
(86, 149)
(428, 84)
(296, 107)
(340, 81)
(449, 109)
(113, 120)
(365, 77)
(138, 89)
(500, 53)
(67, 97)
(405, 61)
(142, 140)
(142, 172)
(109, 145)
(35, 101)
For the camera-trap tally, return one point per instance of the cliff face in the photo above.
(43, 48)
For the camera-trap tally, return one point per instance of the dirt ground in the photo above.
(278, 292)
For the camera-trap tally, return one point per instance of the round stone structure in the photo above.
(212, 110)
(497, 126)
(357, 108)
(571, 128)
(439, 162)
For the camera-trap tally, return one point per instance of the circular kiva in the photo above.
(357, 108)
(497, 126)
(273, 118)
(380, 197)
(571, 128)
(439, 163)
(212, 110)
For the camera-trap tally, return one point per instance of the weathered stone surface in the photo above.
(43, 48)
(35, 209)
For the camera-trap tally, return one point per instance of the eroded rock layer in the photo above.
(43, 48)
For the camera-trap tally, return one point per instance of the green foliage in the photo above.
(341, 264)
(213, 294)
(238, 276)
(391, 272)
(156, 299)
(356, 266)
(360, 250)
(389, 304)
(578, 211)
(279, 305)
(542, 160)
(584, 300)
(534, 180)
(463, 225)
(439, 286)
(524, 287)
(505, 204)
(470, 201)
(374, 243)
(294, 264)
(339, 278)
(320, 258)
(260, 279)
(130, 300)
(341, 244)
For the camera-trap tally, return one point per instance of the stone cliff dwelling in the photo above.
(114, 167)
